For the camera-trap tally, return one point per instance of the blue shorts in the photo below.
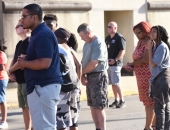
(3, 86)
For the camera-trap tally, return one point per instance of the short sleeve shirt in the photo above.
(21, 48)
(114, 46)
(3, 61)
(96, 50)
(161, 57)
(43, 44)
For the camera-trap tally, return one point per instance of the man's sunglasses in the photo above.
(109, 26)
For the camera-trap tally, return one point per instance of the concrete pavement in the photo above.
(129, 87)
(132, 117)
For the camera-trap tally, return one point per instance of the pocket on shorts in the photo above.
(116, 78)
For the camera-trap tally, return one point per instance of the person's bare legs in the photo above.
(150, 117)
(154, 122)
(117, 92)
(27, 118)
(114, 89)
(99, 118)
(94, 116)
(3, 111)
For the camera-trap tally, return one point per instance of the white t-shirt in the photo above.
(67, 54)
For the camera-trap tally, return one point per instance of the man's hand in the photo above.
(12, 77)
(8, 72)
(21, 61)
(111, 61)
(84, 80)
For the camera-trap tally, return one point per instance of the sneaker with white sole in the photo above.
(3, 125)
(121, 104)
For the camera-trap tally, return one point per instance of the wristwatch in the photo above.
(115, 59)
(9, 72)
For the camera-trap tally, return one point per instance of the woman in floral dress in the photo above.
(140, 65)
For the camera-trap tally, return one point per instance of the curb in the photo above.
(11, 105)
(83, 97)
(110, 94)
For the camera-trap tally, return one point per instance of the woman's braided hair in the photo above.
(162, 35)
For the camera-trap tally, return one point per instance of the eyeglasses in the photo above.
(138, 33)
(109, 26)
(24, 16)
(18, 26)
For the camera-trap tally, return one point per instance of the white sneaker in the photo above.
(3, 125)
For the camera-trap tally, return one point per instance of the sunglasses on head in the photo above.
(19, 26)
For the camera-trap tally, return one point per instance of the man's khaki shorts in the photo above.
(22, 95)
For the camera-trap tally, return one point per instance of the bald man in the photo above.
(116, 45)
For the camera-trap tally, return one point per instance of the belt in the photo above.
(94, 72)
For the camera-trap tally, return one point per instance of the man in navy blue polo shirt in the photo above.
(42, 69)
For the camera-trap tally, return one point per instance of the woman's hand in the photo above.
(129, 64)
(128, 68)
(150, 44)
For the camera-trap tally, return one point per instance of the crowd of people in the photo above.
(45, 101)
